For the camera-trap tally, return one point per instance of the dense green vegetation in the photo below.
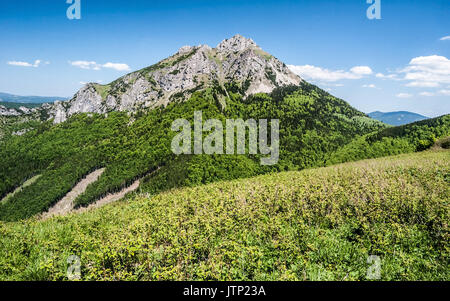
(395, 140)
(10, 125)
(312, 122)
(24, 185)
(314, 126)
(316, 224)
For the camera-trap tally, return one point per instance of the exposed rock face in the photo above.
(9, 112)
(192, 68)
(58, 112)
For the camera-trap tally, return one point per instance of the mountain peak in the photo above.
(236, 43)
(238, 59)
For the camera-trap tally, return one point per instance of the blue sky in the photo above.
(401, 62)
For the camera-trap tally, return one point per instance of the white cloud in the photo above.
(20, 64)
(422, 84)
(85, 65)
(322, 74)
(404, 95)
(361, 70)
(438, 93)
(26, 64)
(390, 76)
(328, 84)
(369, 86)
(445, 38)
(91, 65)
(118, 67)
(427, 71)
(423, 72)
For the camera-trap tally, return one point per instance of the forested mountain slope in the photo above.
(408, 138)
(312, 124)
(125, 128)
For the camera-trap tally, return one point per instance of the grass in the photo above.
(103, 90)
(263, 54)
(319, 224)
(19, 189)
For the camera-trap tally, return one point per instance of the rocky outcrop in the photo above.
(192, 68)
(9, 112)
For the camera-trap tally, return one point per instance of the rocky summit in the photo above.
(239, 60)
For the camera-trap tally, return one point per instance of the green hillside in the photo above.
(413, 137)
(316, 224)
(317, 130)
(313, 124)
(9, 125)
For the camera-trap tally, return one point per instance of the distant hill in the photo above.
(17, 105)
(397, 118)
(5, 97)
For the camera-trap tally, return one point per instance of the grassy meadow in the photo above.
(317, 224)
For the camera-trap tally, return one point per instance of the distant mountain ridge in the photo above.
(397, 118)
(6, 97)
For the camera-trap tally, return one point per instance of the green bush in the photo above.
(317, 224)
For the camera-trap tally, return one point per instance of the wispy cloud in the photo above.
(404, 95)
(425, 84)
(389, 76)
(86, 65)
(91, 65)
(446, 38)
(329, 84)
(372, 86)
(26, 64)
(322, 74)
(438, 93)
